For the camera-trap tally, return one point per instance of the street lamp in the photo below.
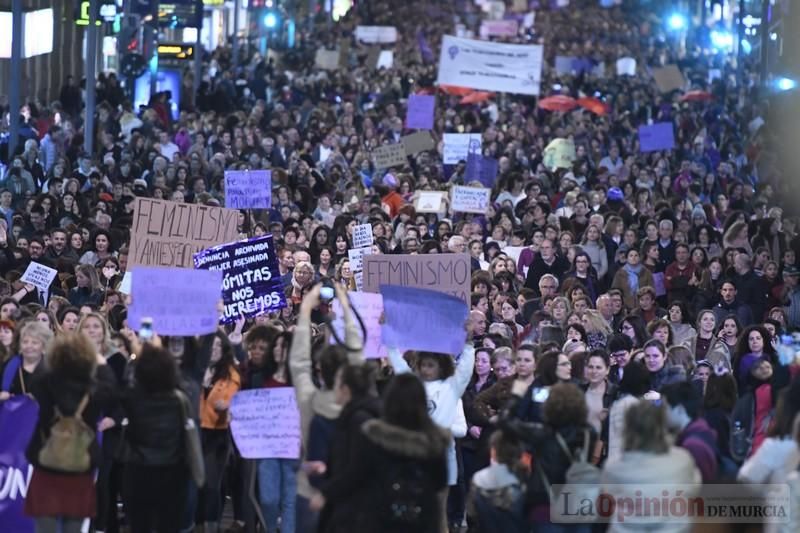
(677, 22)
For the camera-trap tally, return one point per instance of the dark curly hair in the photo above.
(565, 406)
(156, 370)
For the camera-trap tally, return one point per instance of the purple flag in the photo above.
(420, 111)
(18, 416)
(482, 169)
(424, 48)
(659, 136)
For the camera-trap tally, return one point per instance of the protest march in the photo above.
(439, 267)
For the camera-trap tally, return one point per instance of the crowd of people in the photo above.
(633, 312)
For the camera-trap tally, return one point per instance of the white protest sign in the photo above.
(266, 423)
(429, 202)
(488, 66)
(529, 20)
(356, 257)
(385, 59)
(39, 276)
(362, 236)
(714, 74)
(370, 307)
(376, 34)
(626, 66)
(458, 145)
(498, 28)
(470, 199)
(327, 59)
(125, 284)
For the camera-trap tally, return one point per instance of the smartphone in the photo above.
(146, 329)
(541, 395)
(326, 294)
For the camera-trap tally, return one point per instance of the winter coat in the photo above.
(621, 282)
(496, 501)
(667, 375)
(362, 495)
(699, 440)
(154, 432)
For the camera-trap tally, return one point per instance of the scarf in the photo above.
(633, 276)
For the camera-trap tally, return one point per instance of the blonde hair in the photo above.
(107, 347)
(597, 322)
(646, 428)
(37, 330)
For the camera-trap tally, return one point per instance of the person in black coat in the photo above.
(155, 478)
(396, 483)
(546, 262)
(354, 390)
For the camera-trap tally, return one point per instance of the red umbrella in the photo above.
(594, 105)
(455, 90)
(476, 97)
(697, 96)
(558, 103)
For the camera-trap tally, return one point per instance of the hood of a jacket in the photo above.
(408, 443)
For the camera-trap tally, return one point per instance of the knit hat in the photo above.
(699, 212)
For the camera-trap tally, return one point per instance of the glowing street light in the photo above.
(677, 22)
(721, 40)
(270, 20)
(785, 84)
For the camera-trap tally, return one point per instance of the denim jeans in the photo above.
(277, 488)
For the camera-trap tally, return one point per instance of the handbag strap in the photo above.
(584, 453)
(21, 380)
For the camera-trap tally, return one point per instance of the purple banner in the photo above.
(180, 301)
(251, 282)
(18, 416)
(410, 309)
(482, 169)
(420, 111)
(656, 137)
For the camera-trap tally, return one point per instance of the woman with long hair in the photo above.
(404, 449)
(220, 382)
(100, 249)
(582, 273)
(680, 323)
(600, 394)
(753, 342)
(88, 289)
(631, 277)
(592, 244)
(597, 329)
(75, 382)
(708, 346)
(634, 327)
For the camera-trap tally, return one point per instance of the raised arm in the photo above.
(352, 337)
(464, 369)
(300, 352)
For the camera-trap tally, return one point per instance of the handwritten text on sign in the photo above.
(251, 282)
(266, 423)
(447, 273)
(248, 189)
(389, 155)
(38, 275)
(470, 199)
(370, 307)
(180, 302)
(170, 233)
(362, 236)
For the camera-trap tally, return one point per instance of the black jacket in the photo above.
(539, 268)
(154, 432)
(361, 495)
(52, 389)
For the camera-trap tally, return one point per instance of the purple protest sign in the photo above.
(409, 309)
(18, 416)
(248, 189)
(180, 301)
(482, 169)
(656, 137)
(251, 283)
(420, 111)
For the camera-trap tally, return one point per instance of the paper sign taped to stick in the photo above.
(362, 236)
(470, 199)
(248, 189)
(447, 273)
(418, 142)
(39, 275)
(389, 155)
(560, 153)
(488, 66)
(170, 233)
(669, 78)
(370, 307)
(626, 66)
(327, 59)
(659, 136)
(420, 111)
(180, 301)
(251, 283)
(376, 34)
(385, 59)
(411, 311)
(265, 423)
(458, 145)
(356, 257)
(429, 202)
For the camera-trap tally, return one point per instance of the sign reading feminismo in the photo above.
(509, 68)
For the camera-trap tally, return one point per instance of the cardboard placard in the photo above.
(389, 155)
(418, 142)
(669, 78)
(327, 59)
(362, 236)
(447, 273)
(168, 234)
(376, 34)
(370, 307)
(626, 66)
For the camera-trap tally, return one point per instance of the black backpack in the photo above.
(407, 490)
